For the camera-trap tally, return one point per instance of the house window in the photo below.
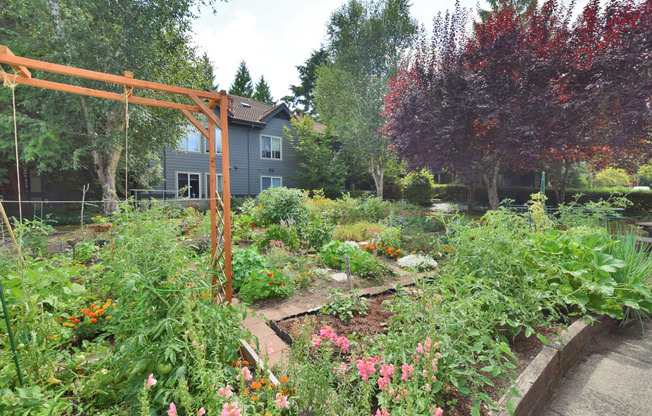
(270, 147)
(218, 140)
(191, 142)
(220, 184)
(270, 181)
(188, 185)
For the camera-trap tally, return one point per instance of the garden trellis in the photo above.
(220, 207)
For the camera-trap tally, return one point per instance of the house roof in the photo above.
(250, 110)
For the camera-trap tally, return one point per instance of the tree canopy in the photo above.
(523, 89)
(151, 39)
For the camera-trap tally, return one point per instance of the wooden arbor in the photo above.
(219, 252)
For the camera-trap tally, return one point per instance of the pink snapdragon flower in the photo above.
(437, 412)
(201, 412)
(230, 409)
(151, 381)
(420, 348)
(225, 392)
(316, 341)
(406, 370)
(281, 400)
(383, 382)
(366, 367)
(386, 370)
(270, 351)
(173, 410)
(326, 332)
(343, 343)
(382, 412)
(244, 372)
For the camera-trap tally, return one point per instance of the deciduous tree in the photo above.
(151, 39)
(365, 42)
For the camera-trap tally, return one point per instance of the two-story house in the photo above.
(259, 155)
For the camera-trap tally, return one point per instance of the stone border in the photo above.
(546, 371)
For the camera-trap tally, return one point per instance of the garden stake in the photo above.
(11, 335)
(348, 272)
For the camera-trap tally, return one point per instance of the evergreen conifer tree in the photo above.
(262, 93)
(242, 85)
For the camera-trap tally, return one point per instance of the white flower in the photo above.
(416, 261)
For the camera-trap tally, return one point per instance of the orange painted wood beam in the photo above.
(12, 60)
(207, 111)
(226, 200)
(196, 123)
(99, 93)
(20, 70)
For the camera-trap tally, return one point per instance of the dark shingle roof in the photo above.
(248, 109)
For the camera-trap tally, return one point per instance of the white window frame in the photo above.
(218, 141)
(219, 180)
(176, 183)
(271, 179)
(186, 141)
(271, 139)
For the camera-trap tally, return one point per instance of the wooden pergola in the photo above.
(22, 67)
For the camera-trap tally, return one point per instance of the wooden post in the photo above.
(212, 202)
(348, 272)
(226, 189)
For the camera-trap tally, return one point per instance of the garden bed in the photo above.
(364, 327)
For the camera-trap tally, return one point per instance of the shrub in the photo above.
(612, 177)
(281, 203)
(641, 200)
(288, 234)
(419, 187)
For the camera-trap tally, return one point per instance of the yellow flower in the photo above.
(68, 324)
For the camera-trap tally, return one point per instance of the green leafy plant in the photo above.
(244, 261)
(33, 235)
(265, 283)
(344, 306)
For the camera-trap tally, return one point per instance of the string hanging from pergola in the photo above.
(23, 76)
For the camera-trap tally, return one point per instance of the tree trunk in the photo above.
(560, 190)
(470, 199)
(106, 165)
(377, 170)
(491, 181)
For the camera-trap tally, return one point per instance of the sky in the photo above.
(273, 37)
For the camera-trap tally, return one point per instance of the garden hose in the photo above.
(11, 335)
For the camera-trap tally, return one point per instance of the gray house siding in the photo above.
(246, 163)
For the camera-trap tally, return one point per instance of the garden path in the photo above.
(612, 378)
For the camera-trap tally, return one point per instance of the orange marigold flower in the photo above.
(244, 362)
(262, 381)
(270, 385)
(93, 320)
(256, 385)
(246, 392)
(284, 379)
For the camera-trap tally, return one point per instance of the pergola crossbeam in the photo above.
(18, 61)
(24, 76)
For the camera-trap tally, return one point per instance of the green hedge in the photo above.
(642, 200)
